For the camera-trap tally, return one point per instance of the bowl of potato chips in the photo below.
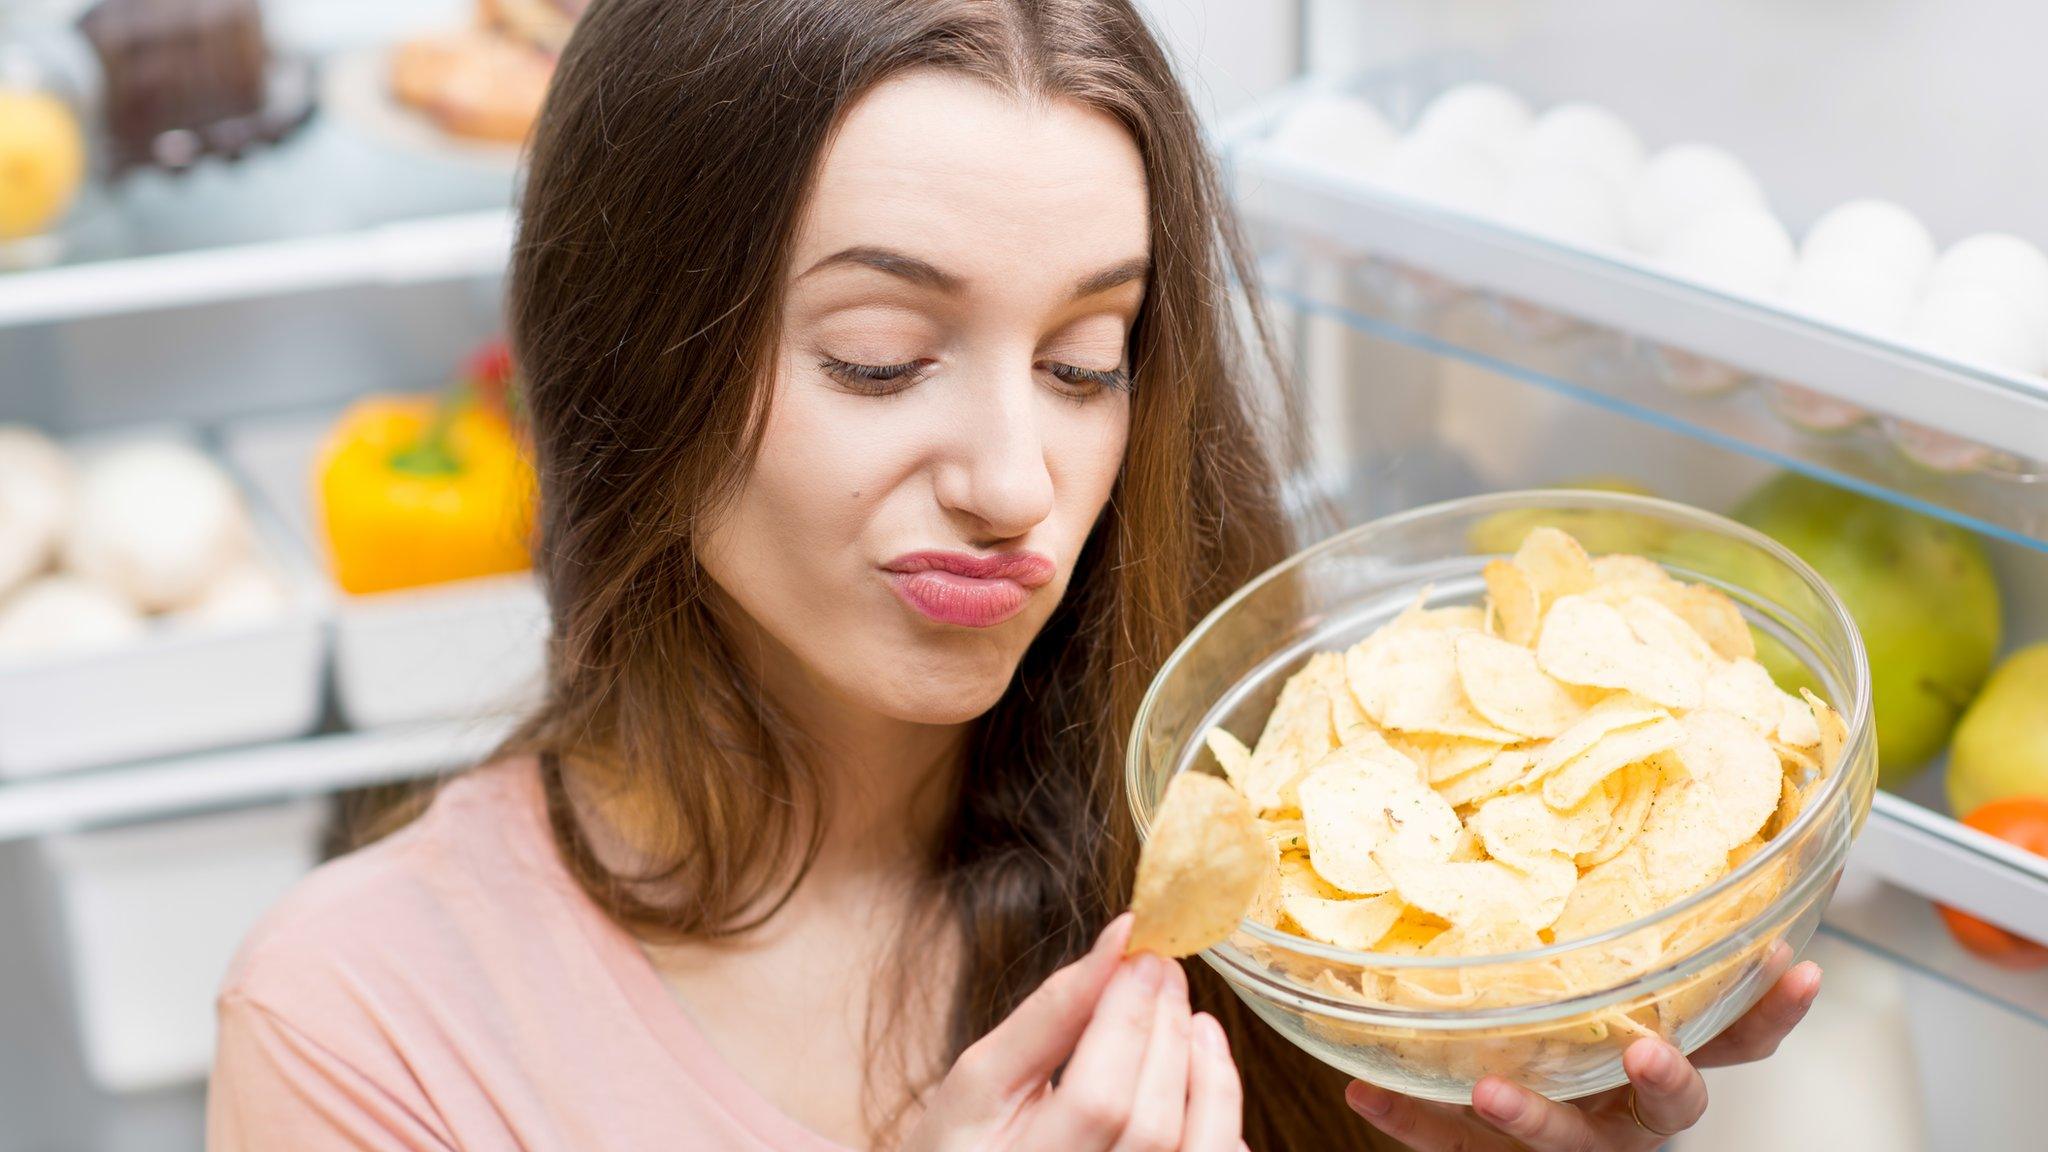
(1500, 785)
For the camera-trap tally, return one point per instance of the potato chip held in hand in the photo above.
(1201, 869)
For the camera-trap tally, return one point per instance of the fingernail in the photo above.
(1667, 1065)
(1151, 970)
(1113, 931)
(1368, 1099)
(1209, 1035)
(1812, 990)
(1503, 1102)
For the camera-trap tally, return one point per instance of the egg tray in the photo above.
(1417, 259)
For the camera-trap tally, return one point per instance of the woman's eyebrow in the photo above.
(928, 275)
(916, 271)
(1136, 268)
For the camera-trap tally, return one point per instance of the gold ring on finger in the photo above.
(1638, 1117)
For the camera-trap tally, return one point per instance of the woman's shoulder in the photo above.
(422, 896)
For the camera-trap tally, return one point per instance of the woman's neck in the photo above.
(888, 783)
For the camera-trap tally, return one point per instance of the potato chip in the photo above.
(1736, 767)
(1409, 682)
(1265, 908)
(1621, 568)
(1347, 720)
(1744, 688)
(1618, 749)
(1740, 854)
(1717, 621)
(1630, 794)
(1200, 871)
(1588, 643)
(1522, 830)
(1554, 563)
(1833, 732)
(1411, 935)
(1286, 835)
(1355, 805)
(1666, 633)
(1682, 846)
(1796, 723)
(1357, 923)
(1607, 895)
(1297, 734)
(1504, 772)
(1485, 892)
(1507, 689)
(1231, 755)
(1419, 617)
(1514, 607)
(1443, 758)
(1379, 746)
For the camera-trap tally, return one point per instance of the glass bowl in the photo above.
(1554, 1018)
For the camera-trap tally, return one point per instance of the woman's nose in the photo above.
(999, 475)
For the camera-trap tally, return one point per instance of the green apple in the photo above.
(1922, 595)
(2001, 746)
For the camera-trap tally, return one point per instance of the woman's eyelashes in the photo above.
(887, 379)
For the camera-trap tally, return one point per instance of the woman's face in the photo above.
(951, 400)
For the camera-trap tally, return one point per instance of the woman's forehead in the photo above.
(978, 183)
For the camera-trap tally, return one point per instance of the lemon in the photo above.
(42, 161)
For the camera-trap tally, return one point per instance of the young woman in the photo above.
(881, 376)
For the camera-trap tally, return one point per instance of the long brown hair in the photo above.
(667, 177)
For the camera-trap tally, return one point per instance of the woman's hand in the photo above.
(1142, 1073)
(1668, 1094)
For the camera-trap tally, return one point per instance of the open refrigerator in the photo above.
(155, 797)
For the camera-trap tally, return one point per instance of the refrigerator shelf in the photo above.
(309, 766)
(1882, 415)
(452, 247)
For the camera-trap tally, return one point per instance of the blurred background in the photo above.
(262, 488)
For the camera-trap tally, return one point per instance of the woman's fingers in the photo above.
(1760, 1030)
(1020, 1054)
(1423, 1126)
(1215, 1118)
(1092, 1104)
(1161, 1099)
(1541, 1124)
(1670, 1096)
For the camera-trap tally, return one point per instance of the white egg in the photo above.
(156, 521)
(1854, 293)
(1447, 171)
(245, 592)
(1484, 114)
(1342, 133)
(1877, 232)
(1565, 201)
(35, 500)
(1582, 134)
(1739, 248)
(2007, 263)
(63, 614)
(1979, 324)
(1679, 183)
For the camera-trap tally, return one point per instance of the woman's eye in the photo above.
(875, 379)
(1089, 381)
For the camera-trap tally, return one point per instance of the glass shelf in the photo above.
(1959, 442)
(352, 198)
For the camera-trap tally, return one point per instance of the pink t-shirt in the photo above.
(451, 987)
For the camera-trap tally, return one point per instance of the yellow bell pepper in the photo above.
(416, 492)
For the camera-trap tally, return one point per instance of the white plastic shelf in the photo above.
(452, 247)
(311, 766)
(1614, 290)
